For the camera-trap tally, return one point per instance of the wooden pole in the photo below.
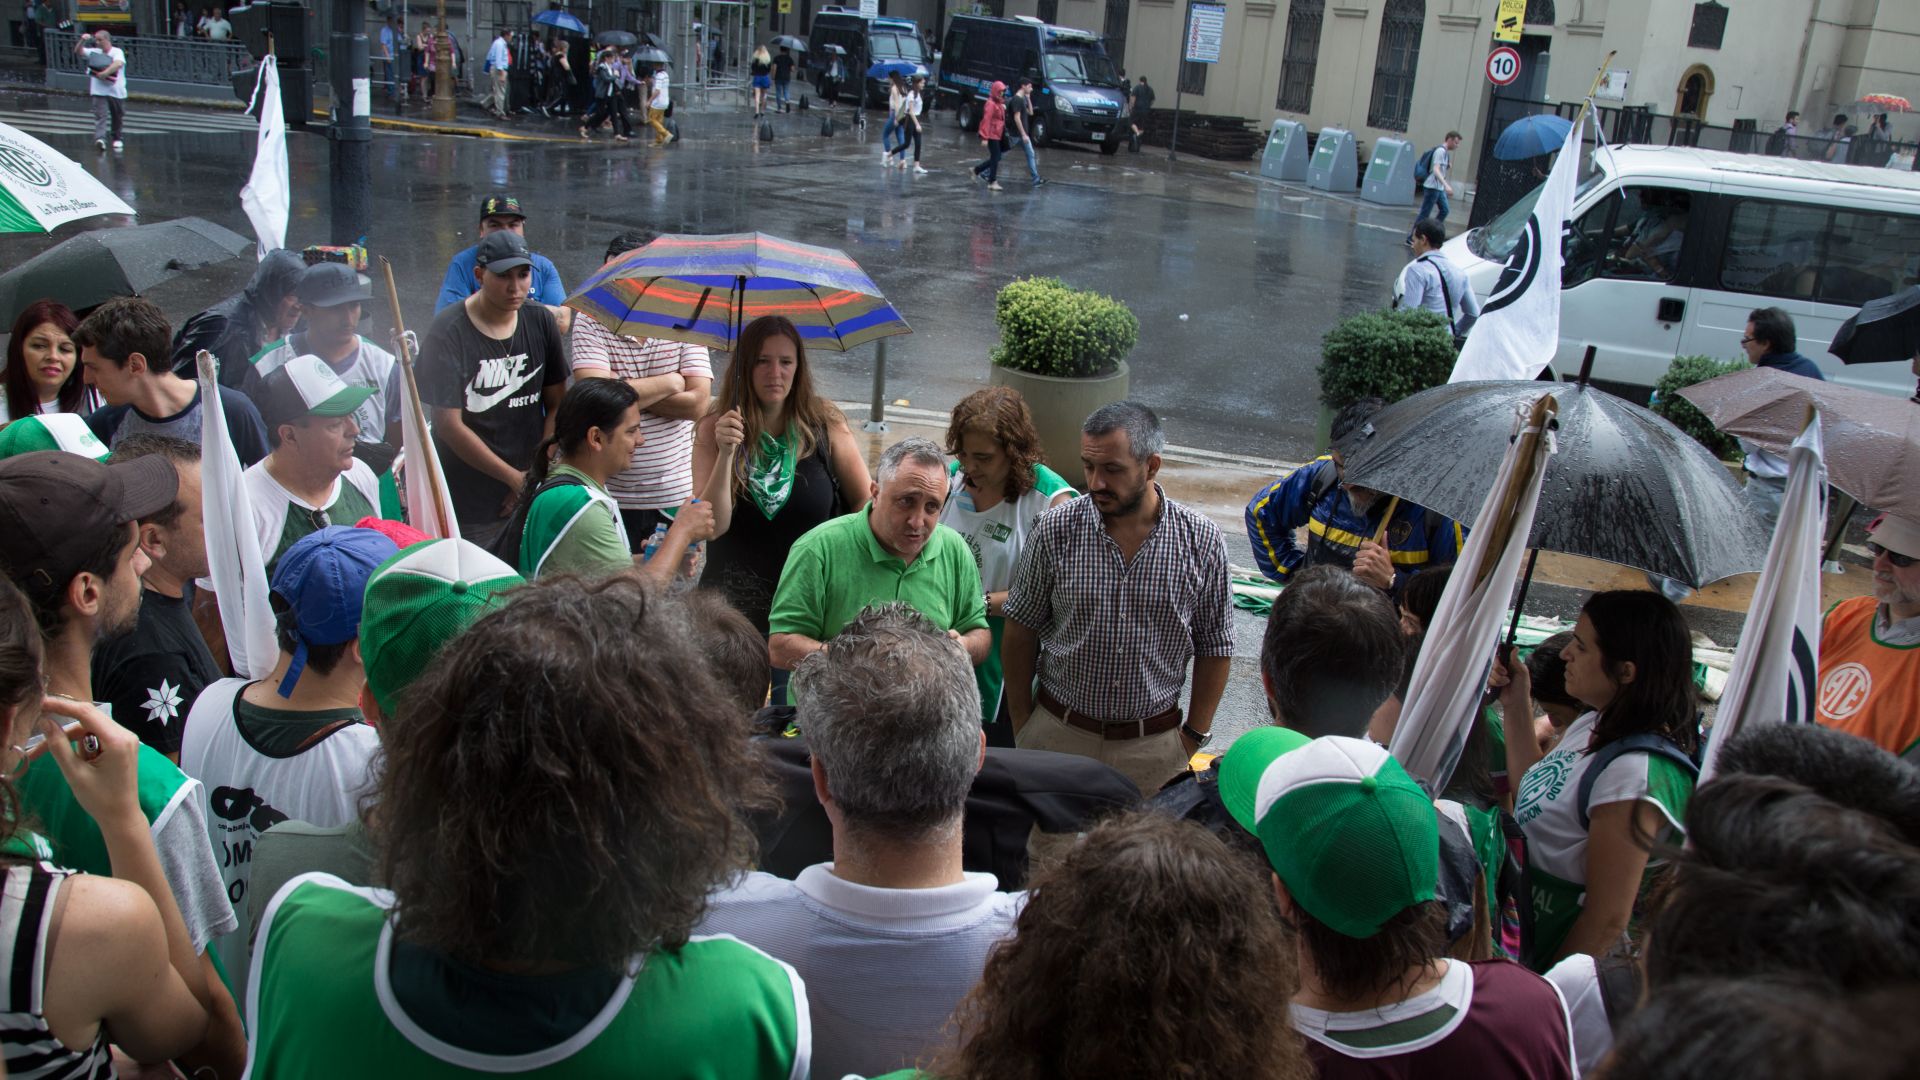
(1538, 418)
(1380, 534)
(435, 482)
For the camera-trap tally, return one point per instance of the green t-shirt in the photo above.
(323, 1004)
(838, 568)
(574, 528)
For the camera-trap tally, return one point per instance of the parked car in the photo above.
(868, 41)
(1077, 94)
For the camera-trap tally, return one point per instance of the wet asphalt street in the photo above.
(1259, 272)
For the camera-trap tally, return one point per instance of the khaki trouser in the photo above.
(654, 118)
(1149, 762)
(500, 91)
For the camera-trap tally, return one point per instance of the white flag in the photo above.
(234, 560)
(1519, 326)
(267, 198)
(1776, 667)
(1450, 673)
(429, 502)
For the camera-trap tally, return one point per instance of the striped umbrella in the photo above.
(704, 289)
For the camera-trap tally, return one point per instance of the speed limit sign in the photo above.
(1503, 66)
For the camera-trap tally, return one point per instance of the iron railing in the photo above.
(1301, 56)
(1395, 64)
(163, 59)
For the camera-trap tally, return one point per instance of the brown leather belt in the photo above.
(1110, 729)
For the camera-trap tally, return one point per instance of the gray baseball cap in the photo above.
(502, 251)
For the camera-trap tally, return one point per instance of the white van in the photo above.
(1669, 249)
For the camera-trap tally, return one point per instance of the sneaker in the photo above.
(118, 145)
(100, 144)
(1038, 180)
(584, 135)
(995, 186)
(917, 170)
(619, 138)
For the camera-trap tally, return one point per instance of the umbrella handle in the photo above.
(697, 309)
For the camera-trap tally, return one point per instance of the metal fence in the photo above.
(160, 59)
(1499, 184)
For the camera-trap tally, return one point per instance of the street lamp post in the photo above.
(444, 106)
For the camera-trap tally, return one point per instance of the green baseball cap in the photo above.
(305, 386)
(417, 601)
(51, 431)
(1353, 837)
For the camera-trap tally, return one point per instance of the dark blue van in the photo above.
(1078, 96)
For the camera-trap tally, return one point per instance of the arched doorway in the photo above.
(1691, 96)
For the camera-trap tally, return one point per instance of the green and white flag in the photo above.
(41, 188)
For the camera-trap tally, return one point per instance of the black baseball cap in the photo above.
(330, 284)
(500, 204)
(58, 511)
(502, 251)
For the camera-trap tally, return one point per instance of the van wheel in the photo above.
(1042, 133)
(963, 115)
(1112, 145)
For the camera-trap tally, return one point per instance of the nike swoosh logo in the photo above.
(477, 402)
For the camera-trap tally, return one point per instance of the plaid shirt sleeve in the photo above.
(1213, 609)
(1030, 597)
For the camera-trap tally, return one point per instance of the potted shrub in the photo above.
(1683, 372)
(1064, 350)
(1386, 354)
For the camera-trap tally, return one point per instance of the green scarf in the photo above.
(770, 473)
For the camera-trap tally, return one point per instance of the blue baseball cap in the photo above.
(322, 581)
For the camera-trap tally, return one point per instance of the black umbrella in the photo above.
(620, 38)
(98, 265)
(651, 55)
(1625, 487)
(1886, 330)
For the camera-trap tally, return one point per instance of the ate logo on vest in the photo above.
(1845, 689)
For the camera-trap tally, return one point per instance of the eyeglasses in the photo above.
(1747, 340)
(1894, 557)
(318, 519)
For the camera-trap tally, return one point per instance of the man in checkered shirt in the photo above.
(1114, 592)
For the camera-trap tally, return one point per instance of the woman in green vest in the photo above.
(566, 522)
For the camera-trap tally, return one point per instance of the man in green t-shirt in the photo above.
(895, 549)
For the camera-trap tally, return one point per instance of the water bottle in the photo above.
(653, 542)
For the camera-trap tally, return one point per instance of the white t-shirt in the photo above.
(219, 29)
(1579, 986)
(1440, 165)
(997, 536)
(661, 99)
(272, 503)
(249, 791)
(115, 87)
(913, 103)
(884, 968)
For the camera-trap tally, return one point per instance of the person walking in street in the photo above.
(1770, 341)
(1438, 186)
(1139, 104)
(993, 133)
(499, 59)
(657, 104)
(609, 97)
(390, 42)
(1432, 282)
(761, 70)
(909, 127)
(423, 60)
(782, 77)
(896, 104)
(1114, 593)
(998, 489)
(1020, 126)
(559, 78)
(106, 85)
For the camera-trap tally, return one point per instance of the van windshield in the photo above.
(1084, 68)
(895, 47)
(1495, 240)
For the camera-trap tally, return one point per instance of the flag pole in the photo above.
(435, 482)
(1380, 534)
(1542, 414)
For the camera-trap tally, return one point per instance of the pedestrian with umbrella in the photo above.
(659, 101)
(609, 97)
(782, 74)
(1770, 342)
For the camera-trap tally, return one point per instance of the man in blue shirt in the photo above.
(1770, 341)
(498, 213)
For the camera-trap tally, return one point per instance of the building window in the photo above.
(1193, 77)
(1049, 11)
(1302, 55)
(1539, 13)
(1395, 63)
(1709, 25)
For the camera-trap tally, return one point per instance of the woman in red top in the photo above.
(993, 127)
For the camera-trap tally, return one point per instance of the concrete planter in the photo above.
(1060, 407)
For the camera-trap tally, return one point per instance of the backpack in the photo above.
(1644, 742)
(1423, 168)
(506, 545)
(1777, 143)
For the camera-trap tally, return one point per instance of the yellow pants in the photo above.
(654, 116)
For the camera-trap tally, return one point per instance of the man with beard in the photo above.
(1113, 594)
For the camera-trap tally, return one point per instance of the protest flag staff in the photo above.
(433, 512)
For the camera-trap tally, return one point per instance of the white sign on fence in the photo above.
(1206, 29)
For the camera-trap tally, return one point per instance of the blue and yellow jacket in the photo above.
(1416, 537)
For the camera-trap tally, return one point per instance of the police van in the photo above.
(1668, 249)
(868, 40)
(1078, 96)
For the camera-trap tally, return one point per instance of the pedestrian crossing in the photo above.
(78, 120)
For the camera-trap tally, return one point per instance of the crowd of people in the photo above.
(712, 748)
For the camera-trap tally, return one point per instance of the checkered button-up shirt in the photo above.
(1116, 636)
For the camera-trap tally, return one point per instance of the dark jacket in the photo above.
(1793, 364)
(1309, 496)
(231, 330)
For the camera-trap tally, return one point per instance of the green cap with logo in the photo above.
(51, 431)
(419, 600)
(305, 386)
(1353, 837)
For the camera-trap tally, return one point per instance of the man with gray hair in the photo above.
(895, 549)
(891, 934)
(1114, 593)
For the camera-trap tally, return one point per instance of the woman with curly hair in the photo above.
(999, 489)
(43, 366)
(562, 788)
(1149, 950)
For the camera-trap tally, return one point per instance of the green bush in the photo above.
(1047, 327)
(1685, 371)
(1385, 354)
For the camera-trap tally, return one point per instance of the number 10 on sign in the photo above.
(1503, 66)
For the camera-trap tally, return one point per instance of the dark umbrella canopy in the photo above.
(1882, 330)
(619, 38)
(1871, 441)
(96, 266)
(1624, 487)
(649, 54)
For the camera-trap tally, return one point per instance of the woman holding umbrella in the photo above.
(787, 462)
(1620, 774)
(609, 96)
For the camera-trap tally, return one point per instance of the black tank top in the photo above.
(745, 564)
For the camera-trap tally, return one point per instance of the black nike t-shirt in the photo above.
(496, 385)
(152, 675)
